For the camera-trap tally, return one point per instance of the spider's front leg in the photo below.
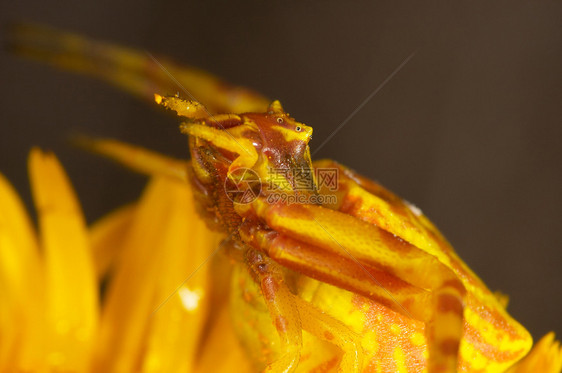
(290, 315)
(282, 309)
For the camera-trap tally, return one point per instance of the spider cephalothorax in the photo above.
(237, 157)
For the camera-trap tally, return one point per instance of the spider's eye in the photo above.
(279, 120)
(298, 128)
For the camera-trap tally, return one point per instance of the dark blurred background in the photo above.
(469, 130)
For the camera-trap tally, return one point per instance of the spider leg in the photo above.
(332, 330)
(134, 71)
(247, 154)
(290, 315)
(282, 308)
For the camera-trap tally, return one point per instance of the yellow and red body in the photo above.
(392, 342)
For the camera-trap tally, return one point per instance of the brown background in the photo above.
(469, 130)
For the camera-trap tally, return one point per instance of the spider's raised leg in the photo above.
(135, 71)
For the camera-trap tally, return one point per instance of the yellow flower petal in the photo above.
(106, 236)
(20, 284)
(165, 242)
(222, 352)
(176, 326)
(545, 357)
(71, 288)
(137, 158)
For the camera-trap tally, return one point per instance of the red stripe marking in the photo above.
(449, 303)
(450, 346)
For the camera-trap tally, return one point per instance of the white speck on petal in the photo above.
(190, 298)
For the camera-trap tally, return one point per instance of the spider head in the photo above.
(271, 146)
(283, 161)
